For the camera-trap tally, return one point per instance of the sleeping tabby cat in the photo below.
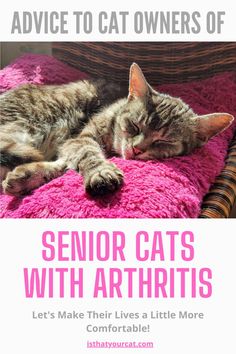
(48, 129)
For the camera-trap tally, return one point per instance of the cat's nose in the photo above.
(137, 151)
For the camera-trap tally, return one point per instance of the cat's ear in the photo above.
(210, 125)
(138, 86)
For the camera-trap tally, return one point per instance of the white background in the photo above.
(215, 245)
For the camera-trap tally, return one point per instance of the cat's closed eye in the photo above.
(132, 128)
(160, 142)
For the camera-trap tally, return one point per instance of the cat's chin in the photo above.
(130, 155)
(142, 157)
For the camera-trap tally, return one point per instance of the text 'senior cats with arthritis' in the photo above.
(48, 129)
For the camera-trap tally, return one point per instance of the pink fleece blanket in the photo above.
(173, 188)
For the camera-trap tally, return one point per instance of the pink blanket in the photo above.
(172, 188)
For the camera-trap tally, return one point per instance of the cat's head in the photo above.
(152, 125)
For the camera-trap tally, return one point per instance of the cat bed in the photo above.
(171, 188)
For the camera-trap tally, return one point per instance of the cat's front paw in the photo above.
(16, 182)
(21, 180)
(105, 179)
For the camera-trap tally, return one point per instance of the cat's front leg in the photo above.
(85, 154)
